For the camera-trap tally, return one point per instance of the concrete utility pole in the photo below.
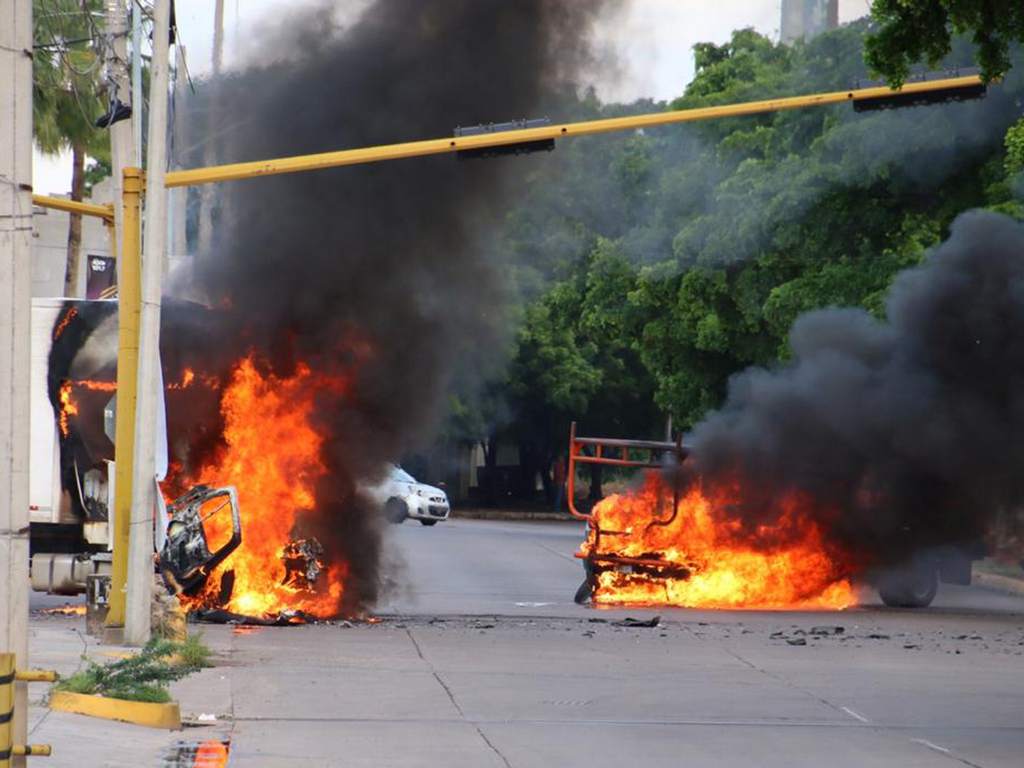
(207, 193)
(140, 551)
(15, 309)
(122, 152)
(137, 97)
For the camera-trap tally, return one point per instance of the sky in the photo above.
(652, 41)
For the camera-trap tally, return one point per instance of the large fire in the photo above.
(708, 561)
(271, 453)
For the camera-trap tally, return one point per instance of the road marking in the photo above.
(532, 605)
(929, 744)
(856, 715)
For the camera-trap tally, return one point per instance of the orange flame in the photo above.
(272, 456)
(66, 610)
(68, 404)
(68, 408)
(211, 754)
(70, 315)
(710, 562)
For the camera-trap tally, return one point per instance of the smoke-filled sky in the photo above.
(653, 40)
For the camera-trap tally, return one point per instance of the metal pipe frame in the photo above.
(258, 168)
(577, 444)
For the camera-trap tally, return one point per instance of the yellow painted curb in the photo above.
(138, 712)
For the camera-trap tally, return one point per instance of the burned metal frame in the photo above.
(578, 446)
(596, 450)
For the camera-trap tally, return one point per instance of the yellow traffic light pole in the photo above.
(129, 298)
(377, 154)
(129, 307)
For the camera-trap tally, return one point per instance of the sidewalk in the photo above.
(58, 642)
(498, 513)
(1002, 578)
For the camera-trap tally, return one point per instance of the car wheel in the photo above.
(911, 587)
(428, 522)
(396, 511)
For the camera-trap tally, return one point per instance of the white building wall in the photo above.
(50, 245)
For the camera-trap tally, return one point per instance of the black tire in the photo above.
(428, 522)
(913, 587)
(585, 592)
(396, 511)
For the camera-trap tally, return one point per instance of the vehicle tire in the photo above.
(585, 592)
(912, 587)
(428, 522)
(396, 511)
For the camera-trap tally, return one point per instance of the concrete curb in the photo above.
(511, 514)
(1000, 583)
(145, 713)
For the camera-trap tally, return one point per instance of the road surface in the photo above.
(485, 661)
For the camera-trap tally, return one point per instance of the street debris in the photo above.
(828, 630)
(302, 564)
(631, 622)
(282, 619)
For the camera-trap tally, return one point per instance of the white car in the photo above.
(402, 495)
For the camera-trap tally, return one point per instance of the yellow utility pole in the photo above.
(128, 310)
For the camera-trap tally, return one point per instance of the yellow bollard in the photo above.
(129, 292)
(8, 674)
(36, 675)
(6, 708)
(33, 750)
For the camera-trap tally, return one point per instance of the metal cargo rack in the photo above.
(640, 454)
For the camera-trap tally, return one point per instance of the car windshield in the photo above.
(399, 474)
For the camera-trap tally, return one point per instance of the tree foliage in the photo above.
(67, 98)
(650, 267)
(924, 30)
(67, 77)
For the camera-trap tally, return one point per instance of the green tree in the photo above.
(67, 98)
(923, 30)
(1014, 142)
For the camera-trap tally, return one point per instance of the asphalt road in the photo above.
(485, 661)
(482, 567)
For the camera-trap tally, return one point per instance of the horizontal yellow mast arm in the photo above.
(105, 211)
(479, 141)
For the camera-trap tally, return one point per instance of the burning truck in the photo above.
(238, 452)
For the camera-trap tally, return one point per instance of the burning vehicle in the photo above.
(669, 544)
(883, 451)
(236, 423)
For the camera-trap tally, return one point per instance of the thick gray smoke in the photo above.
(374, 272)
(907, 433)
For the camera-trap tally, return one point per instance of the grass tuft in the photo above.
(144, 676)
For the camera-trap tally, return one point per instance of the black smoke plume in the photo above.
(906, 433)
(376, 269)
